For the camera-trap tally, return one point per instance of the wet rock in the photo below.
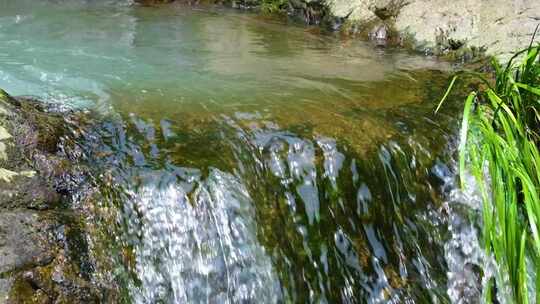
(386, 9)
(461, 28)
(22, 241)
(356, 10)
(37, 128)
(38, 264)
(312, 12)
(27, 192)
(40, 297)
(60, 281)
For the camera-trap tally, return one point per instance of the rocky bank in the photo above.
(465, 27)
(461, 29)
(43, 249)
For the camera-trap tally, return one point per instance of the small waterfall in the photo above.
(363, 204)
(286, 217)
(332, 186)
(201, 249)
(463, 252)
(180, 236)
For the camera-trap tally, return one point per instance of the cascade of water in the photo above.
(301, 219)
(345, 201)
(463, 253)
(198, 249)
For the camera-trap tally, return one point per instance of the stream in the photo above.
(241, 159)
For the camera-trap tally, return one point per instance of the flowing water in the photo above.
(239, 159)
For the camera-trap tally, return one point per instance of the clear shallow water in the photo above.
(239, 159)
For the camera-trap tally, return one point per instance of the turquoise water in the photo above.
(242, 159)
(102, 53)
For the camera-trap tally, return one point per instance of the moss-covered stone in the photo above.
(41, 238)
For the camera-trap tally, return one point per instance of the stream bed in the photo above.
(240, 159)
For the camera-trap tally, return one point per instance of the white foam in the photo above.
(200, 248)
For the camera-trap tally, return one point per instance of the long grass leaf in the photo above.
(463, 136)
(446, 93)
(529, 88)
(499, 142)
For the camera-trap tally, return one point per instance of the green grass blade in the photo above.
(499, 145)
(523, 270)
(446, 93)
(529, 88)
(463, 136)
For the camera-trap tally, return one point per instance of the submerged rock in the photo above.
(39, 238)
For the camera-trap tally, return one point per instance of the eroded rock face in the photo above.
(366, 11)
(498, 27)
(20, 243)
(40, 234)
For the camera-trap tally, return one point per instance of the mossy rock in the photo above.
(42, 238)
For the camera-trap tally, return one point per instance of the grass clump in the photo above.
(499, 142)
(274, 6)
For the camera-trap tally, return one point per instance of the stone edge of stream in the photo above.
(459, 30)
(43, 250)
